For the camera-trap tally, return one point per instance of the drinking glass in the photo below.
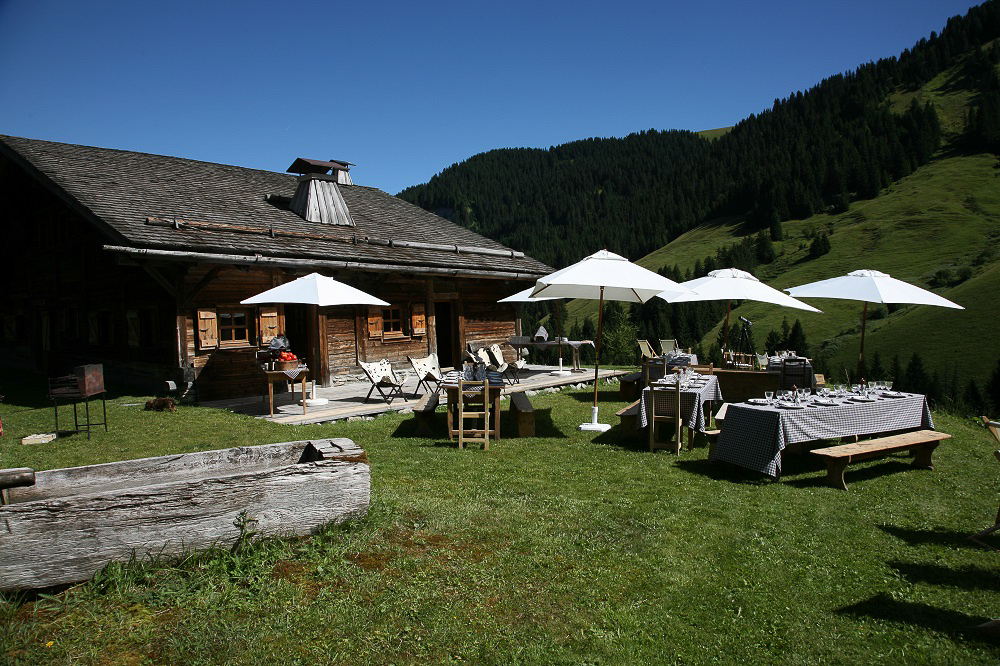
(888, 384)
(769, 396)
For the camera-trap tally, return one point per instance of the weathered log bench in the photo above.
(630, 385)
(524, 413)
(920, 442)
(423, 412)
(629, 416)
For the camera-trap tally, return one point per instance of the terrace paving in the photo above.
(347, 400)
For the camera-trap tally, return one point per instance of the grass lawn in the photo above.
(565, 548)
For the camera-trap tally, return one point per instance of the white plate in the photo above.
(824, 402)
(757, 401)
(892, 394)
(790, 405)
(859, 398)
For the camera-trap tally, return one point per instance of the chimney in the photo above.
(317, 197)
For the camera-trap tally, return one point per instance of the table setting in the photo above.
(757, 430)
(696, 390)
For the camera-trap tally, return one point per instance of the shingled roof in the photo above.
(171, 207)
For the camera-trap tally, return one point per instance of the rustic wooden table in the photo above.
(281, 376)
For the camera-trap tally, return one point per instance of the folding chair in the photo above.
(646, 349)
(667, 346)
(993, 427)
(428, 372)
(382, 377)
(498, 363)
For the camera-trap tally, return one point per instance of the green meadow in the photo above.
(565, 548)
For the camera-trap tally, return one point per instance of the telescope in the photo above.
(746, 321)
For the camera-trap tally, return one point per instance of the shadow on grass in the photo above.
(968, 578)
(544, 427)
(604, 395)
(852, 475)
(722, 471)
(936, 536)
(959, 625)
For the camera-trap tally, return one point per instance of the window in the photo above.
(392, 322)
(234, 327)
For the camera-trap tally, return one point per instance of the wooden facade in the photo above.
(92, 274)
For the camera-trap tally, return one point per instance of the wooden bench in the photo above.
(629, 416)
(630, 385)
(423, 412)
(524, 413)
(921, 443)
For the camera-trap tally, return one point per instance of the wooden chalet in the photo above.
(139, 262)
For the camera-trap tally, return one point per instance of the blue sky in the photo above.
(405, 89)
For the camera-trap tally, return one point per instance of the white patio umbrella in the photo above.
(871, 287)
(525, 296)
(314, 289)
(732, 284)
(604, 275)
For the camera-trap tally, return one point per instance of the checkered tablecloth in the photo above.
(692, 404)
(754, 435)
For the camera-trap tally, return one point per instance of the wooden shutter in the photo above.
(418, 322)
(208, 329)
(268, 324)
(132, 319)
(375, 322)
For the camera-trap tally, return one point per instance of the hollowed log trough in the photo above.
(72, 522)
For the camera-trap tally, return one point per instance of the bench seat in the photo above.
(630, 386)
(629, 416)
(423, 412)
(920, 442)
(524, 413)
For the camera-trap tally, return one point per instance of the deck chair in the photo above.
(474, 395)
(665, 407)
(667, 346)
(388, 383)
(762, 361)
(993, 427)
(646, 349)
(428, 372)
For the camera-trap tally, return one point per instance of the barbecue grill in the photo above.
(86, 382)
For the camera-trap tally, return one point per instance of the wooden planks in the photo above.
(921, 442)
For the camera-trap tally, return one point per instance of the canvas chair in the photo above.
(428, 372)
(667, 346)
(762, 361)
(388, 383)
(665, 407)
(474, 395)
(646, 349)
(509, 370)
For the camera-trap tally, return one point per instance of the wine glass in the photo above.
(769, 396)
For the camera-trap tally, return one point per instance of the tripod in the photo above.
(744, 347)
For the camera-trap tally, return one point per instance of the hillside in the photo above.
(945, 216)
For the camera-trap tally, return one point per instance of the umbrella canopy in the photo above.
(871, 287)
(314, 289)
(732, 284)
(604, 275)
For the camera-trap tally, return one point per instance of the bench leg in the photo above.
(835, 472)
(922, 455)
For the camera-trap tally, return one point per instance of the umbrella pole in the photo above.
(861, 352)
(593, 424)
(559, 336)
(725, 336)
